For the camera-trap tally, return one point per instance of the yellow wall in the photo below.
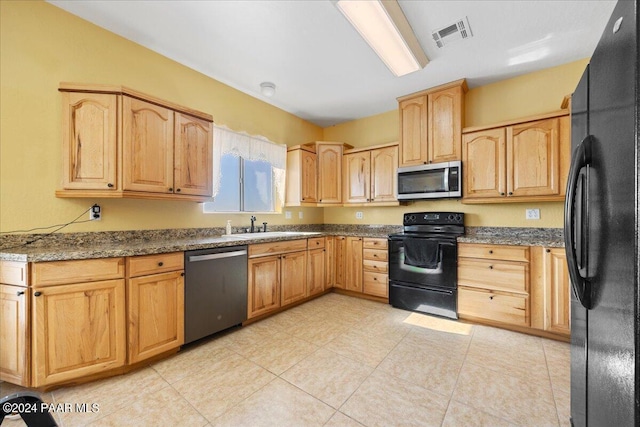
(41, 46)
(521, 96)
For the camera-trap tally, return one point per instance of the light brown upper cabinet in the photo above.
(314, 174)
(431, 124)
(517, 161)
(89, 141)
(329, 172)
(118, 142)
(369, 175)
(302, 187)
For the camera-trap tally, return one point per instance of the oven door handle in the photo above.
(428, 288)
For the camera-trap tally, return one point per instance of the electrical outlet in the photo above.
(532, 214)
(359, 215)
(287, 214)
(300, 215)
(95, 213)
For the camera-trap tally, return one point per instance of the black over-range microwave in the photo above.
(432, 181)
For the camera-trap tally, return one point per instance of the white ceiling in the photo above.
(323, 70)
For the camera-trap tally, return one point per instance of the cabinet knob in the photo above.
(491, 267)
(548, 250)
(182, 274)
(490, 251)
(502, 194)
(320, 199)
(160, 264)
(110, 185)
(20, 293)
(177, 190)
(170, 189)
(491, 297)
(510, 193)
(37, 294)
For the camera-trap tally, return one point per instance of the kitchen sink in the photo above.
(268, 234)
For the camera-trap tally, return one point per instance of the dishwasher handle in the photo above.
(196, 258)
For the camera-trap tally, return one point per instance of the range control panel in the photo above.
(434, 218)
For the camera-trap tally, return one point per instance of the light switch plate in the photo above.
(532, 214)
(300, 215)
(287, 214)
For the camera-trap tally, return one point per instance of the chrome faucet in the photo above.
(253, 219)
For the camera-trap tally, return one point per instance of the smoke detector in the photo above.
(457, 31)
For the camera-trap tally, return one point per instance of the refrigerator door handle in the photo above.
(576, 220)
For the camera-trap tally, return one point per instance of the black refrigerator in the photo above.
(601, 230)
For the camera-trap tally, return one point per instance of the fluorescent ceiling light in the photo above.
(383, 25)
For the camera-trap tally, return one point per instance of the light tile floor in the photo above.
(339, 361)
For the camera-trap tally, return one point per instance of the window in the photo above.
(248, 173)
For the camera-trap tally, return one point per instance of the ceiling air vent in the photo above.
(456, 31)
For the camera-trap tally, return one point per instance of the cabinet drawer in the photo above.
(375, 266)
(375, 254)
(14, 273)
(316, 243)
(277, 247)
(151, 264)
(512, 309)
(503, 252)
(501, 276)
(77, 271)
(375, 284)
(372, 243)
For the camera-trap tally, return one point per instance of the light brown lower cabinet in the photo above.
(71, 319)
(375, 266)
(353, 264)
(14, 333)
(521, 286)
(156, 314)
(155, 304)
(361, 265)
(277, 275)
(264, 285)
(316, 271)
(78, 330)
(293, 278)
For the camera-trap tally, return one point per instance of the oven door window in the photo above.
(430, 181)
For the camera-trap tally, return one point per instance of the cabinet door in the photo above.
(354, 264)
(193, 156)
(484, 163)
(557, 291)
(445, 125)
(316, 272)
(86, 317)
(155, 314)
(264, 285)
(329, 173)
(294, 277)
(14, 330)
(533, 158)
(413, 131)
(357, 177)
(340, 257)
(330, 261)
(309, 185)
(384, 179)
(89, 140)
(147, 156)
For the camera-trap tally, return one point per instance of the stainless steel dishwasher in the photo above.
(215, 290)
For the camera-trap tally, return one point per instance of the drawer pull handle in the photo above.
(110, 185)
(37, 294)
(20, 293)
(160, 264)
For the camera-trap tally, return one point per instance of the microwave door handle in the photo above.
(446, 179)
(575, 222)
